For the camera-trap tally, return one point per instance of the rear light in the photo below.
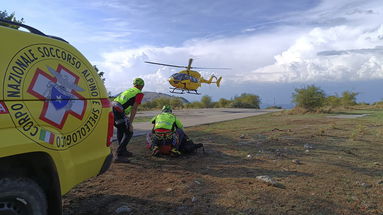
(110, 129)
(106, 103)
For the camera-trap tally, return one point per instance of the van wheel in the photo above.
(21, 196)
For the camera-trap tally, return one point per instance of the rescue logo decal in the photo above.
(60, 93)
(52, 96)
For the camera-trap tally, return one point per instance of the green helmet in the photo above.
(138, 82)
(167, 108)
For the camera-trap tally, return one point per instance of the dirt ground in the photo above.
(315, 164)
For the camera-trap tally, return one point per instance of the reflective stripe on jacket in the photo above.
(166, 121)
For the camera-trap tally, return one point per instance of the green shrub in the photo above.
(349, 98)
(333, 101)
(206, 102)
(222, 103)
(310, 98)
(246, 100)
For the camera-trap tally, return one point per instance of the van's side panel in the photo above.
(53, 100)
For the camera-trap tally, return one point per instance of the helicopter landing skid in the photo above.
(182, 91)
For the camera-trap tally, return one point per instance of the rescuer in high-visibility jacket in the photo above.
(126, 104)
(168, 136)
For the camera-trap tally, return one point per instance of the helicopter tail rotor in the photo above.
(219, 81)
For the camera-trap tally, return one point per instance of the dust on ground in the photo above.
(271, 164)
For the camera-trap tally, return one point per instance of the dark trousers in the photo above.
(121, 122)
(181, 135)
(123, 137)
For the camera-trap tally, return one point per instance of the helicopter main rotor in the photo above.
(188, 67)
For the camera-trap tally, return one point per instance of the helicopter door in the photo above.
(193, 79)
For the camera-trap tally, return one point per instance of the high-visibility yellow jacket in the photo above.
(127, 98)
(166, 121)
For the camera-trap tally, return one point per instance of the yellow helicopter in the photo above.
(188, 80)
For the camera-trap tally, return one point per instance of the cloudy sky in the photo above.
(272, 46)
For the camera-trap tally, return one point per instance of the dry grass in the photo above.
(340, 170)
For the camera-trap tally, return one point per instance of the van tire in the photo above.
(22, 196)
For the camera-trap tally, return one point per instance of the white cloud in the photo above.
(301, 62)
(108, 36)
(283, 55)
(243, 54)
(251, 58)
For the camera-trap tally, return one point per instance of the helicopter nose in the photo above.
(171, 82)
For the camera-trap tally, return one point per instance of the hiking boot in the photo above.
(199, 145)
(156, 151)
(175, 152)
(125, 154)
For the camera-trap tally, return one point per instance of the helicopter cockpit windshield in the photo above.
(181, 77)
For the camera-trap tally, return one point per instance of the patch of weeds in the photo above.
(353, 135)
(324, 110)
(297, 111)
(333, 126)
(279, 113)
(273, 137)
(379, 132)
(358, 132)
(322, 131)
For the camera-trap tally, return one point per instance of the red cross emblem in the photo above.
(60, 94)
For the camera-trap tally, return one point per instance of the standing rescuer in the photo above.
(124, 104)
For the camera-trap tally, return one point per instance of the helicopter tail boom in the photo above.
(218, 80)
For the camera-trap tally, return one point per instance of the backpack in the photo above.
(188, 147)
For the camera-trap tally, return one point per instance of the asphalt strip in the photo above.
(195, 117)
(348, 116)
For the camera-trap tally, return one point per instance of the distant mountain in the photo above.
(149, 96)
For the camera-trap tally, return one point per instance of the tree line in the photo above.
(10, 17)
(245, 100)
(310, 98)
(313, 98)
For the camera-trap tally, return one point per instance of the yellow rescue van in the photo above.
(56, 122)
